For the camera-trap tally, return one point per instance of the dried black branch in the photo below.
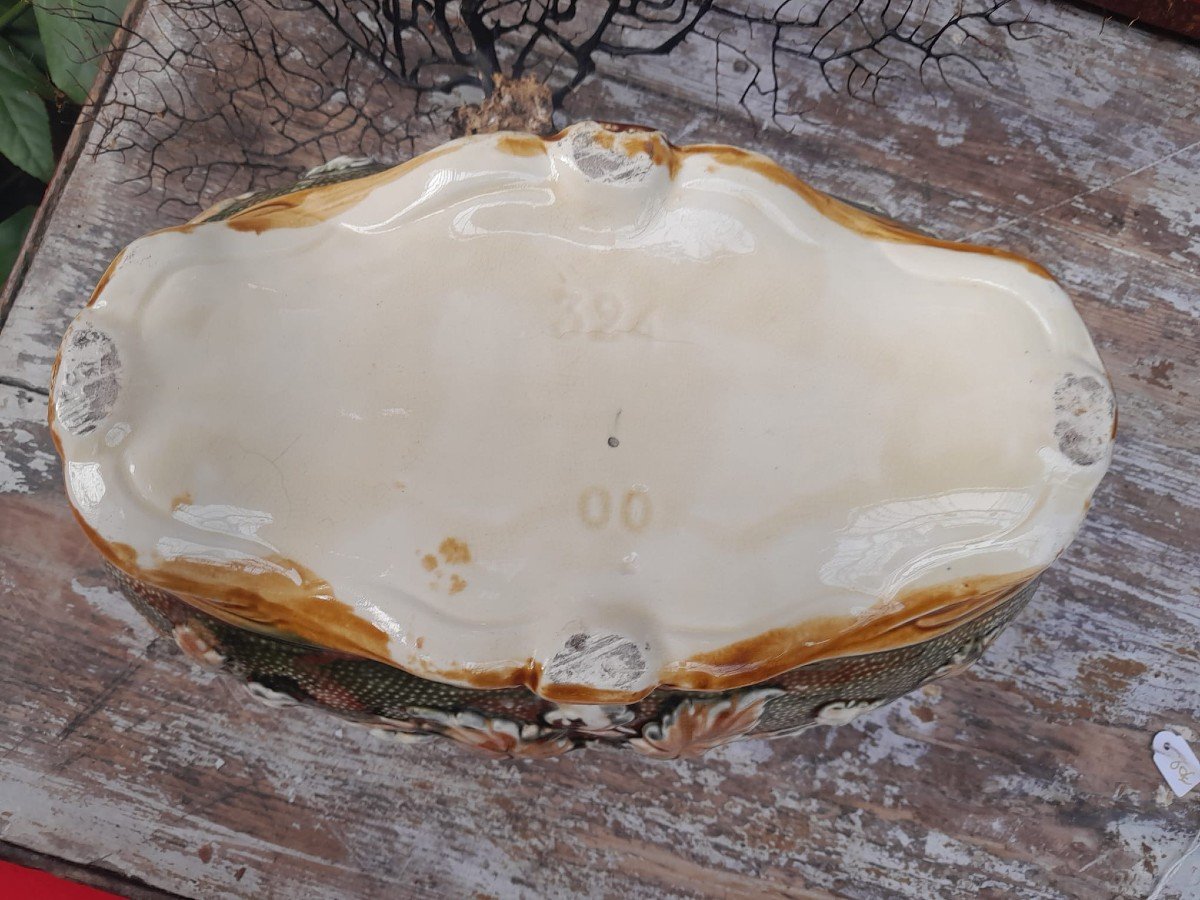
(222, 96)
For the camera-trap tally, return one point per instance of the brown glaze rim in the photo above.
(310, 613)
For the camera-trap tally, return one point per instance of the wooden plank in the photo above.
(1174, 15)
(1030, 776)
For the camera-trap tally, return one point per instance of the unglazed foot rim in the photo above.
(696, 425)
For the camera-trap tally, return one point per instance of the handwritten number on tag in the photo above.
(1176, 762)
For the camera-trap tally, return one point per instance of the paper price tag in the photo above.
(1176, 761)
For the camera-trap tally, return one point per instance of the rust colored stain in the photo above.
(429, 561)
(455, 552)
(184, 499)
(457, 584)
(604, 139)
(521, 145)
(1109, 674)
(205, 853)
(1160, 374)
(660, 152)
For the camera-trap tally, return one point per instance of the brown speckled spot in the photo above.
(457, 584)
(184, 499)
(429, 561)
(1160, 374)
(455, 552)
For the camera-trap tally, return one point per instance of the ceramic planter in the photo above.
(536, 442)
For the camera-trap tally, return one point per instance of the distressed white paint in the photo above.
(811, 817)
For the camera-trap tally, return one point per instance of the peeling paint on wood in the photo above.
(1029, 776)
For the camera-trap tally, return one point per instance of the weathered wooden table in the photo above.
(1030, 776)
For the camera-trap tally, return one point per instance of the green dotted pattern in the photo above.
(366, 690)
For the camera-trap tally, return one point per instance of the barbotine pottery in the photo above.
(532, 443)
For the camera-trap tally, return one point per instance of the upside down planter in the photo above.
(534, 442)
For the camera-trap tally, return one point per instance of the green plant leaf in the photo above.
(10, 10)
(23, 34)
(76, 33)
(24, 127)
(21, 71)
(12, 233)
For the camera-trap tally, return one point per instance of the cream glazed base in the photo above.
(589, 414)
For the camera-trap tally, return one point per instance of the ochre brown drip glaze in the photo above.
(521, 145)
(108, 272)
(844, 214)
(269, 600)
(914, 616)
(663, 152)
(310, 612)
(316, 204)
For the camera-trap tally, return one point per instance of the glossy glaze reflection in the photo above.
(582, 414)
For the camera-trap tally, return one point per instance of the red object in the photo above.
(20, 883)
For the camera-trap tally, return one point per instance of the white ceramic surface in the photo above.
(604, 407)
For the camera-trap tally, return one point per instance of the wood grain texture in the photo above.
(1029, 777)
(1174, 15)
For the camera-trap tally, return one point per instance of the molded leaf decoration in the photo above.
(499, 738)
(696, 726)
(76, 33)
